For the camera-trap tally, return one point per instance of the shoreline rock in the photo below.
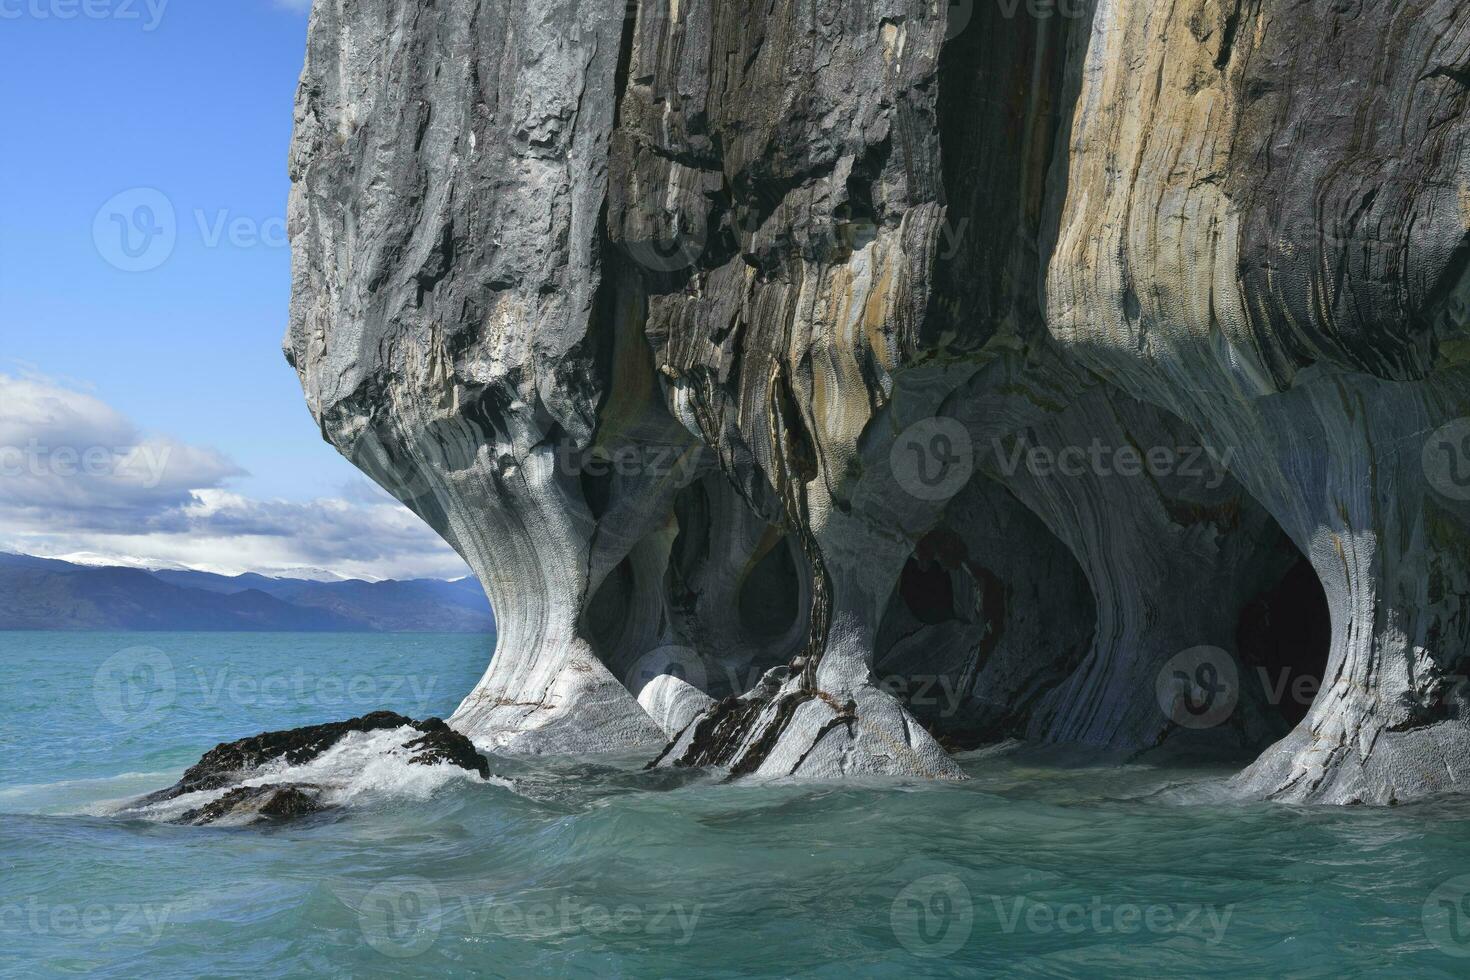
(230, 763)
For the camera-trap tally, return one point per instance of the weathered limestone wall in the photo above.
(1262, 227)
(708, 332)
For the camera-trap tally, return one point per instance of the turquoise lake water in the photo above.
(1039, 866)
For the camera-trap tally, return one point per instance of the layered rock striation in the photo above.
(817, 388)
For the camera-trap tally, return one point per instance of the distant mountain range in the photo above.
(46, 594)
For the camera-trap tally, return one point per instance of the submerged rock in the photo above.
(920, 374)
(260, 757)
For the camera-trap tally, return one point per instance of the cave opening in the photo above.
(1283, 638)
(596, 481)
(737, 587)
(928, 590)
(989, 614)
(769, 599)
(606, 618)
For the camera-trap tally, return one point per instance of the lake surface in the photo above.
(1041, 865)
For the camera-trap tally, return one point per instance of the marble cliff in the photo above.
(819, 387)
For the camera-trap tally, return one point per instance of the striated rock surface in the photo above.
(1280, 258)
(816, 388)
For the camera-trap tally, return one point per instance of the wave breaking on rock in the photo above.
(295, 773)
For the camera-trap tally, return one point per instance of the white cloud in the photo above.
(77, 476)
(73, 459)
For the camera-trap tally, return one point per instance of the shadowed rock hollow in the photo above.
(819, 387)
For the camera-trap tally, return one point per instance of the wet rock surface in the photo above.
(440, 743)
(232, 763)
(247, 803)
(893, 374)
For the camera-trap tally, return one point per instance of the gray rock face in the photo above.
(1283, 265)
(816, 386)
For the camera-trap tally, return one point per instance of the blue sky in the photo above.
(189, 103)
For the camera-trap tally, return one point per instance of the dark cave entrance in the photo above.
(928, 590)
(1283, 638)
(989, 613)
(769, 599)
(607, 616)
(725, 589)
(737, 587)
(938, 627)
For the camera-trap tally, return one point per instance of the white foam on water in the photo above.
(368, 767)
(84, 796)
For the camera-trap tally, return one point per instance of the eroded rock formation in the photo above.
(817, 386)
